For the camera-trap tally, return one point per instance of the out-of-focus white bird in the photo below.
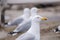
(57, 30)
(20, 19)
(23, 27)
(34, 32)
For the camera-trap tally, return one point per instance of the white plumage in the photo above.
(59, 27)
(20, 19)
(34, 32)
(23, 27)
(57, 30)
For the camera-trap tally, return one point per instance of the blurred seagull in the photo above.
(57, 30)
(23, 27)
(20, 19)
(34, 32)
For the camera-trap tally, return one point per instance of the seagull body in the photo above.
(34, 32)
(57, 30)
(23, 27)
(20, 19)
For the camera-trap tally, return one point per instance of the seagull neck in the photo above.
(26, 16)
(35, 29)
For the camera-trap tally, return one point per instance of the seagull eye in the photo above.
(37, 17)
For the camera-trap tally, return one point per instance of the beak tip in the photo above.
(44, 18)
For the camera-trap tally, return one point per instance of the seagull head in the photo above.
(34, 11)
(26, 12)
(38, 18)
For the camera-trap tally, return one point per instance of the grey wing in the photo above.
(24, 27)
(16, 21)
(26, 36)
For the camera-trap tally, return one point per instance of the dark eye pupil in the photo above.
(37, 17)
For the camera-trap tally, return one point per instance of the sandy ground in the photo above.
(46, 33)
(46, 26)
(50, 36)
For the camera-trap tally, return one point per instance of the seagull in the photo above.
(23, 27)
(57, 30)
(34, 32)
(20, 19)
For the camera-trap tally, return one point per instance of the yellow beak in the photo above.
(43, 18)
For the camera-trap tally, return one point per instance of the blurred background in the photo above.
(10, 9)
